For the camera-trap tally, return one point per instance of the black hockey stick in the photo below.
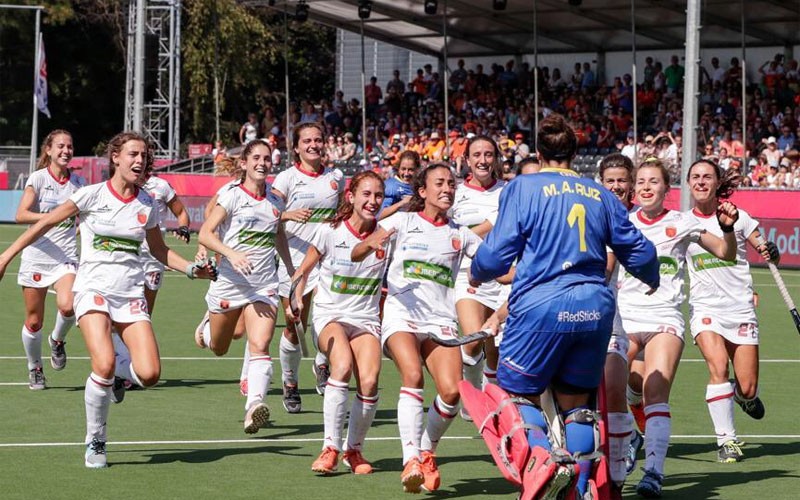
(460, 340)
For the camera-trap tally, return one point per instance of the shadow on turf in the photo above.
(206, 455)
(714, 484)
(707, 452)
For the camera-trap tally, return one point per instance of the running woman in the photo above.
(52, 260)
(558, 225)
(425, 256)
(311, 193)
(347, 316)
(654, 323)
(477, 200)
(244, 227)
(400, 187)
(723, 317)
(616, 174)
(116, 217)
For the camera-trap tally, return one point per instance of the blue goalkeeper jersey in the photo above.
(394, 191)
(557, 226)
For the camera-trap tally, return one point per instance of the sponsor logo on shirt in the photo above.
(706, 261)
(66, 223)
(115, 244)
(260, 239)
(415, 230)
(348, 285)
(343, 244)
(103, 209)
(668, 266)
(579, 316)
(414, 269)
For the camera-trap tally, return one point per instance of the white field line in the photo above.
(259, 441)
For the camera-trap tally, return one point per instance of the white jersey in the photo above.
(58, 245)
(161, 193)
(718, 285)
(302, 189)
(671, 233)
(112, 231)
(425, 260)
(346, 288)
(251, 226)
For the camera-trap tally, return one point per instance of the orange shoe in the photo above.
(431, 471)
(356, 462)
(327, 462)
(638, 416)
(412, 477)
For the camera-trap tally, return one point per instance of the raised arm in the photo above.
(725, 247)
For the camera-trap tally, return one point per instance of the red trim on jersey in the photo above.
(701, 214)
(658, 414)
(440, 412)
(119, 196)
(360, 236)
(717, 398)
(415, 396)
(253, 195)
(58, 180)
(650, 222)
(310, 174)
(432, 221)
(479, 187)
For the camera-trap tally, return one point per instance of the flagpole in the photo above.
(36, 63)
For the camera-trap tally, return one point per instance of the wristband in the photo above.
(190, 271)
(726, 229)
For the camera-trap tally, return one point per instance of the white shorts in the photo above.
(618, 344)
(37, 275)
(119, 309)
(490, 294)
(224, 296)
(353, 326)
(422, 329)
(642, 327)
(285, 281)
(153, 273)
(734, 331)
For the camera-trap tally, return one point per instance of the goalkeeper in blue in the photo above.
(557, 226)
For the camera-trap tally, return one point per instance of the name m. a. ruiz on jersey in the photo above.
(553, 189)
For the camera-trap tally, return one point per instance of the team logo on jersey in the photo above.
(141, 217)
(275, 212)
(471, 290)
(224, 304)
(671, 231)
(706, 321)
(380, 253)
(103, 209)
(37, 277)
(456, 242)
(334, 185)
(343, 244)
(99, 300)
(415, 230)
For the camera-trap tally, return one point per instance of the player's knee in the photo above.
(580, 430)
(33, 323)
(747, 389)
(718, 370)
(340, 370)
(149, 378)
(413, 378)
(218, 350)
(450, 395)
(368, 384)
(104, 367)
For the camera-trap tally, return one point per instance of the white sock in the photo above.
(409, 421)
(634, 398)
(656, 435)
(489, 376)
(63, 324)
(719, 398)
(124, 368)
(246, 361)
(620, 431)
(440, 416)
(334, 410)
(290, 361)
(320, 359)
(32, 342)
(473, 368)
(207, 334)
(259, 373)
(362, 413)
(97, 398)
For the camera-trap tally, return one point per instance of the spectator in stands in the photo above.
(269, 121)
(787, 139)
(349, 147)
(521, 150)
(372, 97)
(556, 83)
(249, 131)
(674, 76)
(395, 84)
(588, 80)
(772, 152)
(331, 148)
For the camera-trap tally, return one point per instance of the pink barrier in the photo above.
(761, 204)
(196, 184)
(785, 234)
(3, 180)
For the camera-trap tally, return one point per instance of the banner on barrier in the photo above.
(786, 235)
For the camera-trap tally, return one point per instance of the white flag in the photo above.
(41, 80)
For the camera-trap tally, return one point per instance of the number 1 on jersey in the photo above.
(578, 214)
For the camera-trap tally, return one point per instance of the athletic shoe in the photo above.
(58, 355)
(650, 485)
(430, 470)
(322, 373)
(356, 462)
(198, 332)
(291, 399)
(729, 453)
(243, 387)
(638, 415)
(560, 484)
(327, 461)
(412, 477)
(36, 380)
(118, 390)
(465, 415)
(95, 456)
(637, 441)
(753, 407)
(256, 418)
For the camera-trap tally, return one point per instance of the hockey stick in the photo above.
(461, 340)
(785, 294)
(298, 322)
